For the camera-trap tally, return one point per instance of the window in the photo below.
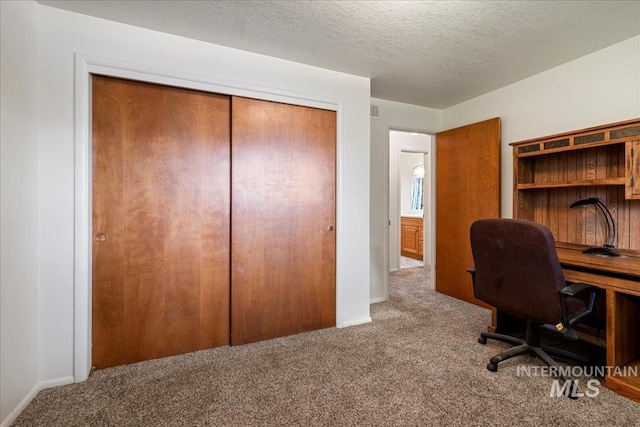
(416, 188)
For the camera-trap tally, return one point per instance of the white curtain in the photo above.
(416, 194)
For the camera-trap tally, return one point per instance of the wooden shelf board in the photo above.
(584, 131)
(591, 335)
(626, 265)
(549, 151)
(625, 386)
(635, 381)
(566, 184)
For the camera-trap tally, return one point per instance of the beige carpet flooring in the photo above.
(417, 364)
(406, 262)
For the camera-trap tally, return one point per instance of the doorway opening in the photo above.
(411, 195)
(410, 200)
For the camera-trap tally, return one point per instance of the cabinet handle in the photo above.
(101, 237)
(330, 228)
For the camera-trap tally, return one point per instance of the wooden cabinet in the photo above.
(620, 280)
(623, 346)
(411, 237)
(632, 168)
(551, 173)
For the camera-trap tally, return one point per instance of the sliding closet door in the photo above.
(283, 219)
(161, 224)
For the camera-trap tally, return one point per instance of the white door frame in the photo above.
(85, 65)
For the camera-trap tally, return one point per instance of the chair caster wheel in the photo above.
(573, 389)
(492, 367)
(482, 340)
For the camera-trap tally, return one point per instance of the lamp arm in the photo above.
(611, 225)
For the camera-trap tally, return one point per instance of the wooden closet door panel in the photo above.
(161, 194)
(198, 232)
(467, 189)
(283, 219)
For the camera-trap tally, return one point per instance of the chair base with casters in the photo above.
(531, 346)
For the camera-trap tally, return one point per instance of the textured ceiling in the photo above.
(430, 53)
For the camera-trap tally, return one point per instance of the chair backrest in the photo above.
(517, 268)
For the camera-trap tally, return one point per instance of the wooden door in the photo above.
(283, 218)
(161, 226)
(467, 189)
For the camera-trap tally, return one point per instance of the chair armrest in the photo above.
(575, 288)
(570, 291)
(472, 271)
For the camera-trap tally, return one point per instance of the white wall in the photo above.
(399, 116)
(408, 161)
(19, 212)
(62, 34)
(599, 88)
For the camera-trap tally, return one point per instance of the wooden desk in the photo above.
(552, 172)
(620, 278)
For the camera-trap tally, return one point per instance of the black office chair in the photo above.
(517, 271)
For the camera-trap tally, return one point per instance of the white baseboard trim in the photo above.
(355, 322)
(56, 382)
(391, 270)
(13, 415)
(377, 300)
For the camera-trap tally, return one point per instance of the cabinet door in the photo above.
(161, 196)
(410, 238)
(632, 155)
(283, 219)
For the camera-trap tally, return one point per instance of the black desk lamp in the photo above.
(609, 246)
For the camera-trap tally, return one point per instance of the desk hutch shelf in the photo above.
(552, 172)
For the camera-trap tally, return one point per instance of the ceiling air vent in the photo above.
(374, 110)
